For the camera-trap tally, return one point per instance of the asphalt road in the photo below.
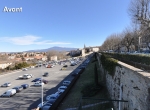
(29, 98)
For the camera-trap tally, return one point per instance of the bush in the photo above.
(143, 59)
(109, 63)
(18, 66)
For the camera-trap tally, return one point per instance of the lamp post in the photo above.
(139, 44)
(41, 84)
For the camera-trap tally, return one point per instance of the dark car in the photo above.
(76, 72)
(45, 74)
(18, 88)
(25, 86)
(37, 79)
(44, 81)
(82, 67)
(65, 66)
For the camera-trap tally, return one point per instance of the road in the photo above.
(31, 97)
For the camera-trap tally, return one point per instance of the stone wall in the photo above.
(133, 83)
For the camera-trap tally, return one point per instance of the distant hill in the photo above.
(53, 48)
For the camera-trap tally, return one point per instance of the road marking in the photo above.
(5, 101)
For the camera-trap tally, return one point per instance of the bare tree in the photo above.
(112, 43)
(51, 53)
(139, 11)
(128, 39)
(146, 38)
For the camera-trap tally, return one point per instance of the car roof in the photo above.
(6, 83)
(25, 84)
(67, 81)
(62, 87)
(11, 89)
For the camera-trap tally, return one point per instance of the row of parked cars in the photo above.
(14, 90)
(50, 99)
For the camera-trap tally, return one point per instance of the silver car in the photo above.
(6, 85)
(52, 97)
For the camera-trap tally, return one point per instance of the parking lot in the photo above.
(29, 98)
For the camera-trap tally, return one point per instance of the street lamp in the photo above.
(139, 44)
(41, 84)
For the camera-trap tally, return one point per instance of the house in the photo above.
(18, 59)
(41, 57)
(28, 58)
(44, 58)
(95, 49)
(53, 58)
(12, 57)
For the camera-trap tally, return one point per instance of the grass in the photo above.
(84, 83)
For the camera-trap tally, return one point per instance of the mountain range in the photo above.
(53, 48)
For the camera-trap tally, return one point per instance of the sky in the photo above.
(42, 24)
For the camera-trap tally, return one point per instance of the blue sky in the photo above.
(67, 23)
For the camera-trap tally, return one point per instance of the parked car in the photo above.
(6, 85)
(32, 66)
(66, 83)
(44, 81)
(24, 69)
(48, 66)
(25, 86)
(62, 88)
(25, 76)
(46, 105)
(72, 64)
(52, 97)
(60, 92)
(76, 72)
(18, 88)
(82, 67)
(9, 93)
(37, 79)
(38, 83)
(45, 74)
(65, 66)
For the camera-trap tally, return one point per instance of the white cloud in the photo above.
(29, 40)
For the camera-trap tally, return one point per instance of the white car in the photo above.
(62, 88)
(38, 83)
(52, 97)
(66, 83)
(45, 103)
(24, 69)
(9, 93)
(6, 85)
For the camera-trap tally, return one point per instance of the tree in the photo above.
(128, 39)
(139, 11)
(51, 53)
(113, 42)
